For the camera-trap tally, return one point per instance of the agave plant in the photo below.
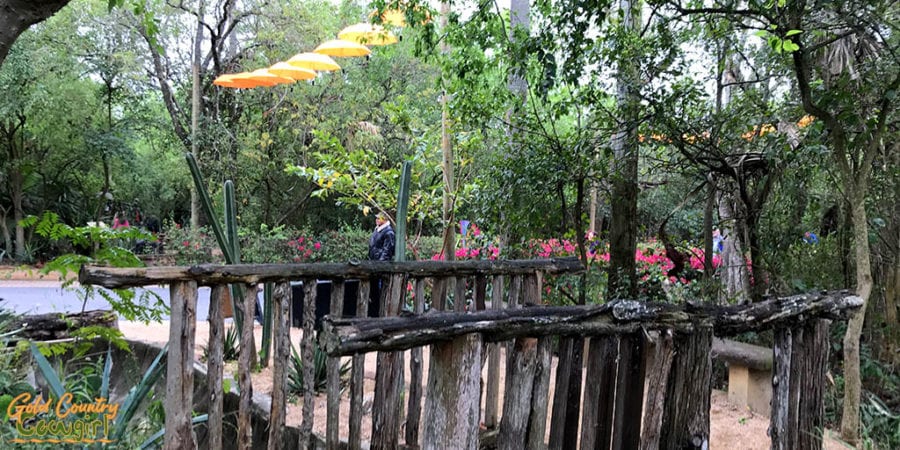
(320, 371)
(231, 347)
(132, 401)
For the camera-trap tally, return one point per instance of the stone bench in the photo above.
(749, 373)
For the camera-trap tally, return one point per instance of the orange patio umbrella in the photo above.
(314, 61)
(283, 69)
(264, 76)
(366, 33)
(342, 48)
(236, 81)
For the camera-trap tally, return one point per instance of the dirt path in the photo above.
(730, 427)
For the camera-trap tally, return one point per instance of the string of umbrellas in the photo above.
(352, 41)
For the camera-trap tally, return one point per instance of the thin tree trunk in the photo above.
(852, 382)
(195, 114)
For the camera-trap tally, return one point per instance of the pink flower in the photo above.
(438, 257)
(461, 253)
(495, 252)
(317, 245)
(186, 244)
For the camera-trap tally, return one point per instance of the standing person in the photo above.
(381, 248)
(381, 244)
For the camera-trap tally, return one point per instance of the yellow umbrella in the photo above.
(264, 76)
(235, 81)
(314, 61)
(339, 47)
(283, 69)
(366, 33)
(397, 18)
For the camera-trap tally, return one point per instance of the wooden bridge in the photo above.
(668, 346)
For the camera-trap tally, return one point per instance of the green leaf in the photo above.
(792, 33)
(138, 393)
(761, 33)
(107, 370)
(47, 371)
(789, 46)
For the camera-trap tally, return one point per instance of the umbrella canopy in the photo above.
(283, 69)
(339, 47)
(236, 81)
(366, 33)
(314, 61)
(268, 78)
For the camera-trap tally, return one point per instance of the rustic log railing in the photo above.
(468, 335)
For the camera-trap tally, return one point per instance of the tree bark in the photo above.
(452, 407)
(852, 382)
(16, 16)
(347, 336)
(52, 326)
(623, 223)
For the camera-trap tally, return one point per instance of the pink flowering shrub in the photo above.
(303, 249)
(476, 245)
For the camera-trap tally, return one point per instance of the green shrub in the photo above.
(810, 266)
(189, 246)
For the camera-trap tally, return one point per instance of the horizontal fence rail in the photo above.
(346, 336)
(208, 274)
(472, 315)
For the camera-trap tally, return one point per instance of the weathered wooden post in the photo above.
(245, 366)
(492, 390)
(629, 392)
(307, 352)
(282, 354)
(685, 421)
(214, 369)
(357, 372)
(180, 366)
(453, 403)
(657, 380)
(599, 393)
(386, 406)
(333, 363)
(798, 386)
(414, 407)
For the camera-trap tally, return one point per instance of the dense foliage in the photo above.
(764, 133)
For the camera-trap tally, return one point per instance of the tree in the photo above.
(19, 15)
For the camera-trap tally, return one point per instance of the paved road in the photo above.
(45, 297)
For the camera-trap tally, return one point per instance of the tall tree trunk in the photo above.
(623, 223)
(195, 113)
(852, 381)
(16, 181)
(449, 235)
(4, 228)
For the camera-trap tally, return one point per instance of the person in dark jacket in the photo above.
(381, 248)
(381, 244)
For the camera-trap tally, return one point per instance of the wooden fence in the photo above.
(465, 332)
